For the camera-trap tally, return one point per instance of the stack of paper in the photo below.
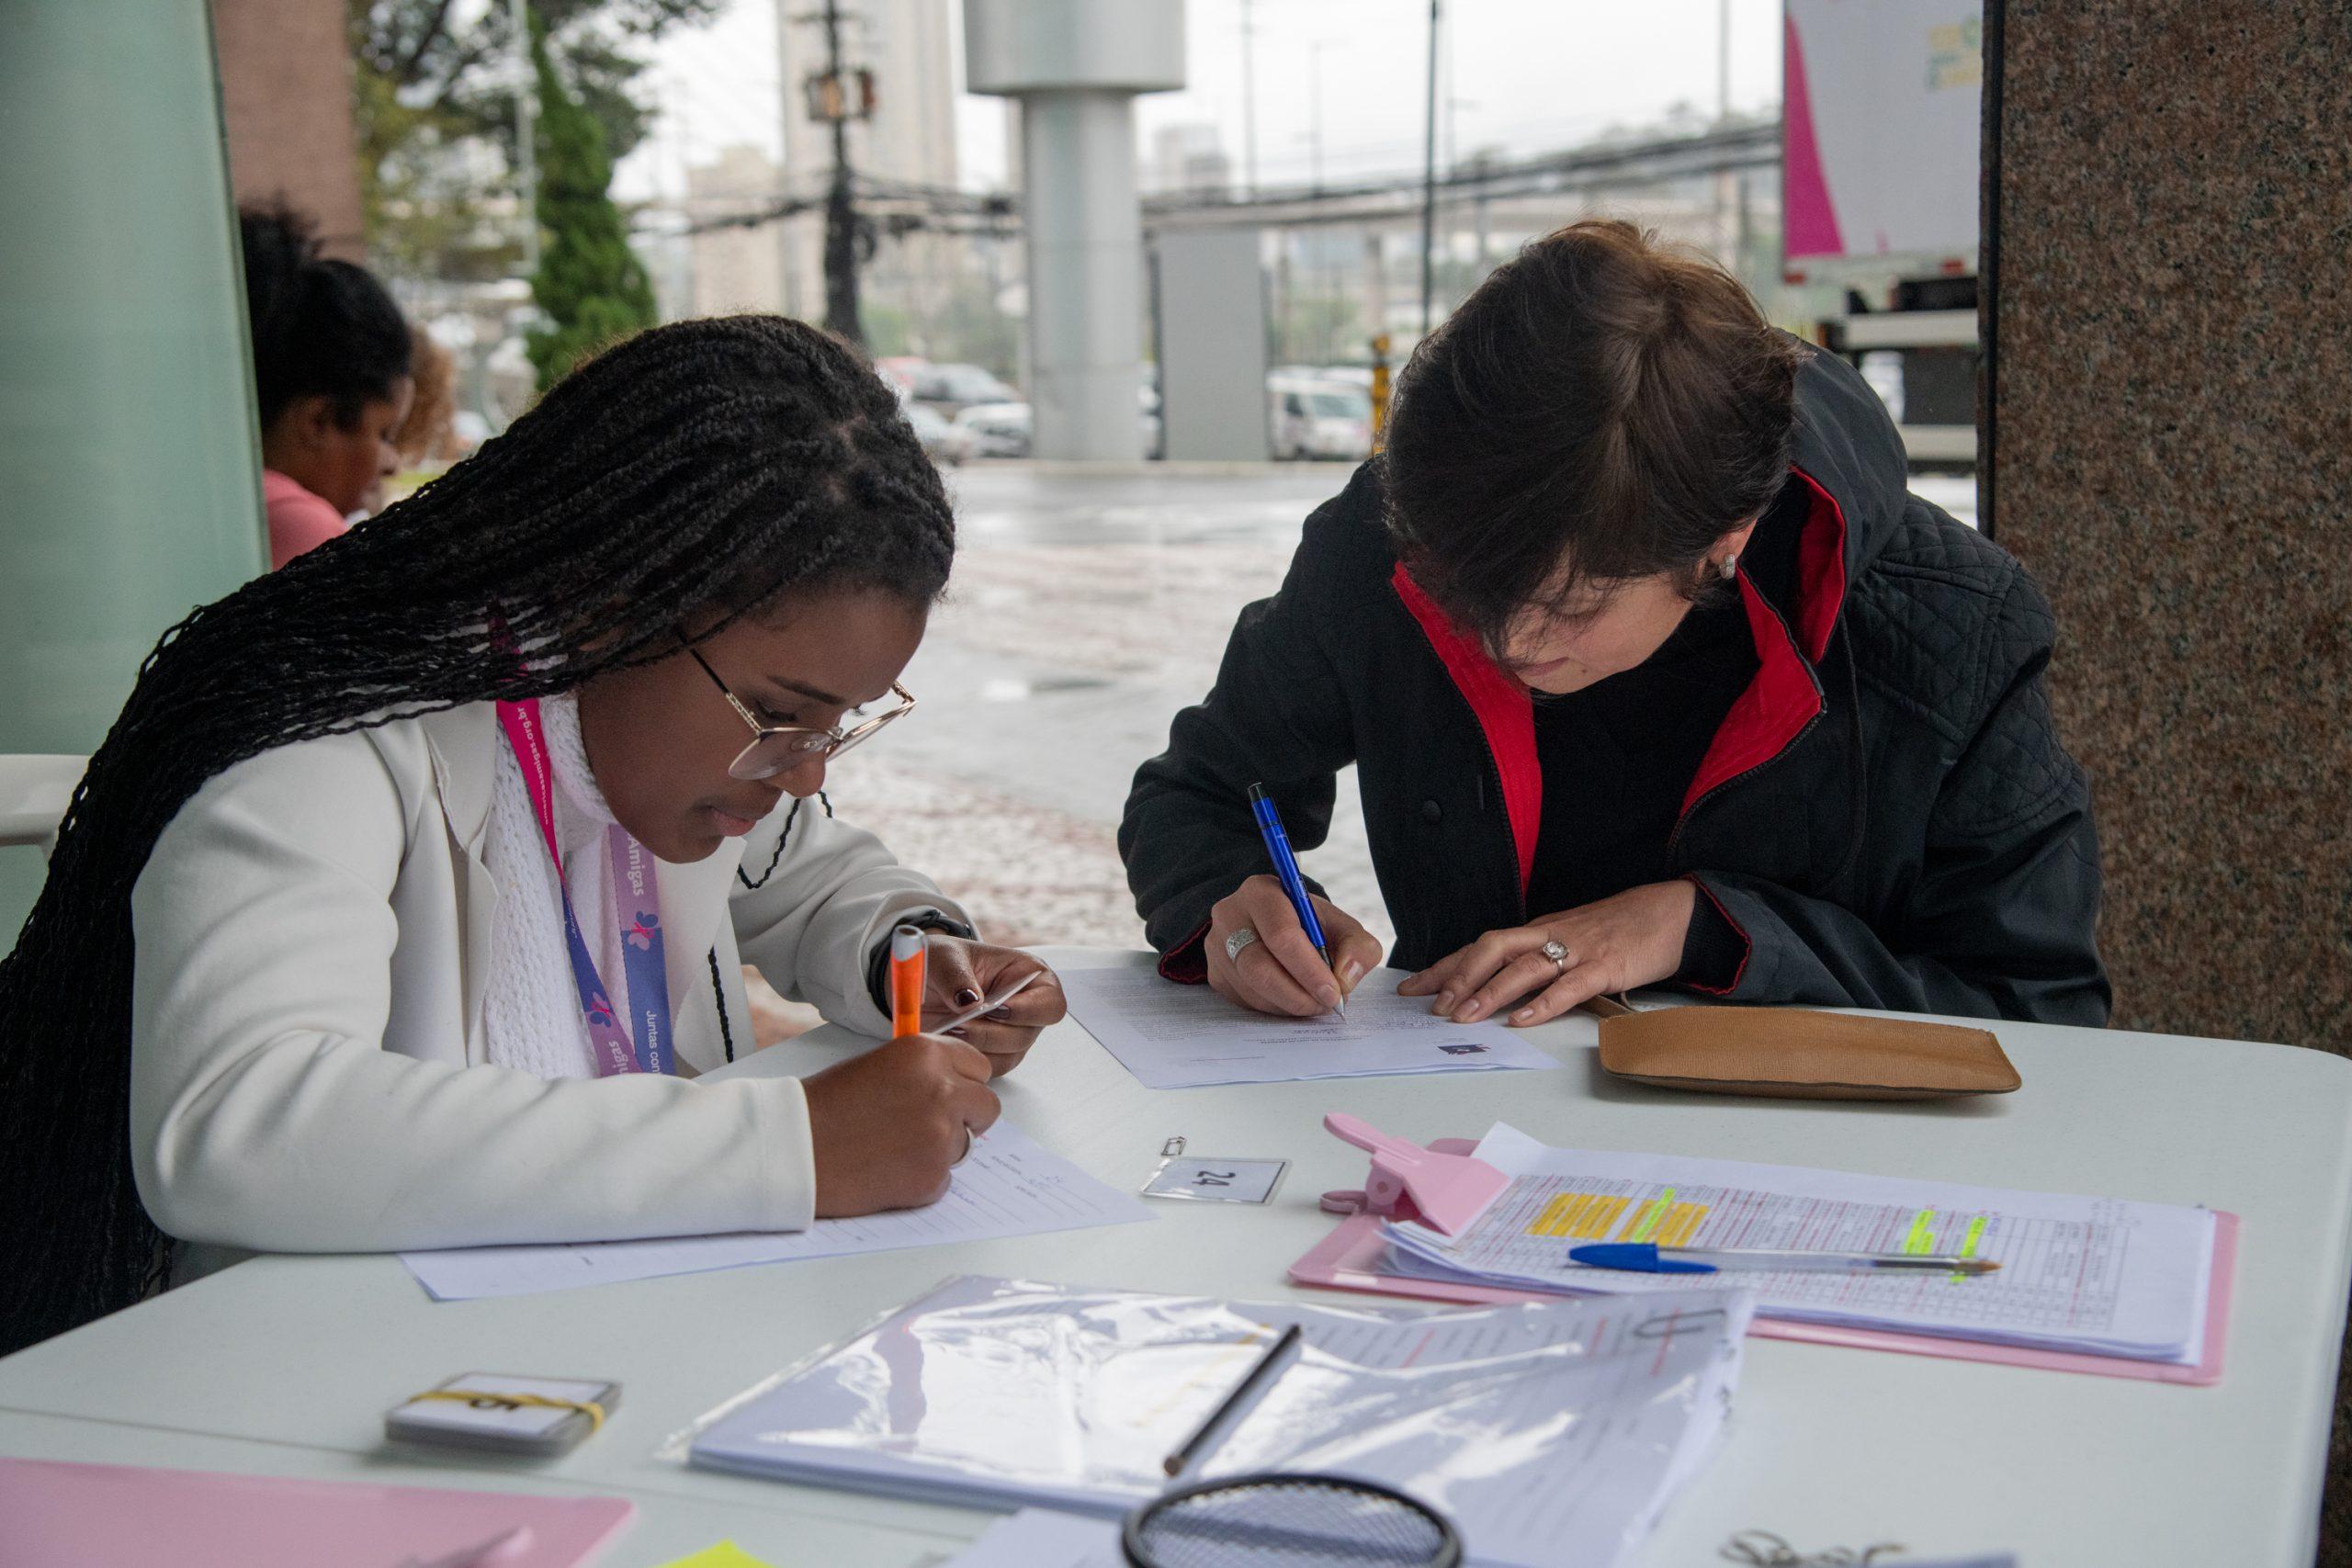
(1554, 1433)
(1007, 1186)
(1175, 1036)
(2096, 1275)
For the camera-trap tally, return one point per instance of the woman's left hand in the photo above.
(961, 975)
(1633, 939)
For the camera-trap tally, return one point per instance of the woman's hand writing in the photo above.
(1279, 971)
(885, 1128)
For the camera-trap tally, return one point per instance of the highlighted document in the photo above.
(2102, 1276)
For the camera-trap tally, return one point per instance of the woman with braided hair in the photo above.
(412, 883)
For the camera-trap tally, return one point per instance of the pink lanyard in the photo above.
(637, 904)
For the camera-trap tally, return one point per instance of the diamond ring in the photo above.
(1557, 953)
(1237, 941)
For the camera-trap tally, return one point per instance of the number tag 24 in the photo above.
(1215, 1180)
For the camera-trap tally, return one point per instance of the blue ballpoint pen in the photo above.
(1649, 1258)
(1270, 828)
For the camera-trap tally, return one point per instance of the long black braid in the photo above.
(688, 476)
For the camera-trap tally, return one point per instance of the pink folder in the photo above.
(1349, 1259)
(102, 1515)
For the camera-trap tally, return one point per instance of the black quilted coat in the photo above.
(1887, 818)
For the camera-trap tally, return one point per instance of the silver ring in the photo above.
(1557, 953)
(968, 1141)
(1237, 941)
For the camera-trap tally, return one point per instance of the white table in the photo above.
(286, 1365)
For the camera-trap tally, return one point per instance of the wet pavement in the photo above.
(1087, 608)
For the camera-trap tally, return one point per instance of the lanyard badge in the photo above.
(643, 1044)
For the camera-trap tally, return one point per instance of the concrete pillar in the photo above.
(129, 483)
(1213, 345)
(1076, 67)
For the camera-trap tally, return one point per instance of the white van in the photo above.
(1312, 417)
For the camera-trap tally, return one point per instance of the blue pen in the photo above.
(1270, 828)
(1647, 1258)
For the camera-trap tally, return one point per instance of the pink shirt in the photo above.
(298, 519)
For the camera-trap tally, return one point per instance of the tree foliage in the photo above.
(590, 285)
(433, 98)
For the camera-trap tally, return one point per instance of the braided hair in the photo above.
(320, 326)
(689, 475)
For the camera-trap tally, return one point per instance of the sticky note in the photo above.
(726, 1555)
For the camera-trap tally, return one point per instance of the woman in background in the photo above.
(331, 361)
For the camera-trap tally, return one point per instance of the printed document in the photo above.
(2100, 1275)
(1175, 1036)
(1007, 1186)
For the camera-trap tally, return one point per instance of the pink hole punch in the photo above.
(1446, 1192)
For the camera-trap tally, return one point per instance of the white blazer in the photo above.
(309, 1071)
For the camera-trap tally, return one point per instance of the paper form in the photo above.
(1550, 1434)
(1172, 1036)
(1008, 1185)
(2078, 1273)
(1039, 1538)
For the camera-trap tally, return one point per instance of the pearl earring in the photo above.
(1730, 567)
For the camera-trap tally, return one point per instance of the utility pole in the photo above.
(1429, 187)
(1249, 107)
(1723, 118)
(841, 213)
(526, 133)
(1324, 302)
(1314, 113)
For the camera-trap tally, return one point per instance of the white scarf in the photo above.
(530, 1005)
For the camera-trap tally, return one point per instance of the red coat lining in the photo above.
(1776, 706)
(1504, 710)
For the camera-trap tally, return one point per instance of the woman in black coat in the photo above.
(1653, 673)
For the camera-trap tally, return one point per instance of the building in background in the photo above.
(1188, 160)
(732, 268)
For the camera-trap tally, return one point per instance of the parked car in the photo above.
(942, 441)
(952, 388)
(997, 430)
(1313, 418)
(900, 370)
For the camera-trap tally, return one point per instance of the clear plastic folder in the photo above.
(1549, 1433)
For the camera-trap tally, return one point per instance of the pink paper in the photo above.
(99, 1516)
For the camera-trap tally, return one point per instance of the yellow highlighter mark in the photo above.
(1585, 1215)
(1968, 1243)
(1681, 1222)
(1922, 1239)
(1651, 1216)
(1666, 1222)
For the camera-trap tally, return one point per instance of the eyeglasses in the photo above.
(780, 747)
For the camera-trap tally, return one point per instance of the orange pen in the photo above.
(906, 981)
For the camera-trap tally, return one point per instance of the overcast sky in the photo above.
(1526, 75)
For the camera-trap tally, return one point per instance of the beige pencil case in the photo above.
(1793, 1053)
